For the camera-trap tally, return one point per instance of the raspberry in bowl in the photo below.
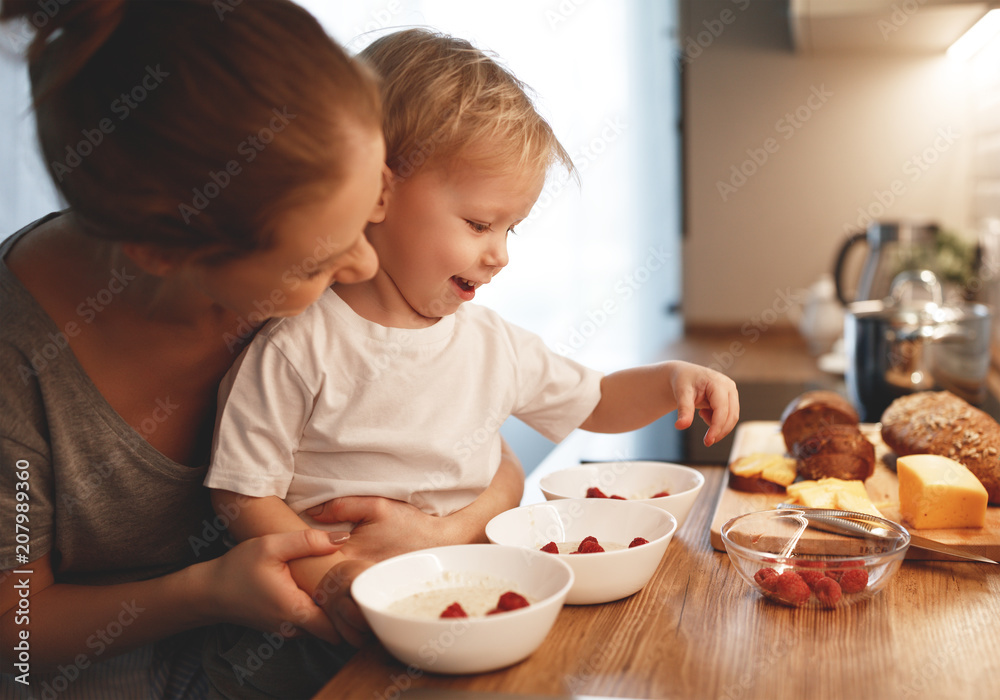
(790, 563)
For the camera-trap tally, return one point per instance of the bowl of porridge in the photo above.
(613, 546)
(464, 608)
(672, 487)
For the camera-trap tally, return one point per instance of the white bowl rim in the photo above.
(488, 619)
(698, 476)
(566, 503)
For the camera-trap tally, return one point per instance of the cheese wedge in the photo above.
(938, 492)
(833, 493)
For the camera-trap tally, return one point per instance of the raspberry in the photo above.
(791, 589)
(594, 492)
(551, 548)
(766, 578)
(827, 591)
(454, 610)
(509, 601)
(808, 563)
(589, 546)
(812, 577)
(661, 494)
(637, 541)
(854, 580)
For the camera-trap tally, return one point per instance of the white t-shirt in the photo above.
(329, 404)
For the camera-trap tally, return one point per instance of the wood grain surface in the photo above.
(697, 630)
(882, 487)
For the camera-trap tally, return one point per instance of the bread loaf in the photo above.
(812, 411)
(940, 423)
(837, 451)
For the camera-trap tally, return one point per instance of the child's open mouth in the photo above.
(466, 288)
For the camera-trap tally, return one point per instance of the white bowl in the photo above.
(636, 481)
(602, 576)
(471, 644)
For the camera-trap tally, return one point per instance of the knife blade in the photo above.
(862, 525)
(935, 546)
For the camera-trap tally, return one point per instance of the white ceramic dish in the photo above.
(636, 481)
(602, 576)
(470, 644)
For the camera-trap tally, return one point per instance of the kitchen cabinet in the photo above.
(881, 26)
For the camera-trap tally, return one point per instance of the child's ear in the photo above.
(388, 186)
(152, 259)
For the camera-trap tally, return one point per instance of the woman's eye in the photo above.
(478, 227)
(314, 274)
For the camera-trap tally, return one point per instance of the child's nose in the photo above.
(496, 253)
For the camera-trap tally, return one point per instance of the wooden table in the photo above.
(698, 631)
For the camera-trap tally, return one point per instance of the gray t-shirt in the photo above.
(108, 506)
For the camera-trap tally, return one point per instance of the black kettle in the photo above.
(893, 247)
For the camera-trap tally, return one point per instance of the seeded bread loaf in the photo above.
(941, 423)
(812, 411)
(838, 451)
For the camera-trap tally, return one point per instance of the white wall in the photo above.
(985, 109)
(875, 135)
(26, 192)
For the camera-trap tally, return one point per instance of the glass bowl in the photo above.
(788, 562)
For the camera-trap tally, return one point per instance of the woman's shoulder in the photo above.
(22, 317)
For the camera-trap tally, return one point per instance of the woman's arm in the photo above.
(250, 585)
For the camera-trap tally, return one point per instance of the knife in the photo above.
(854, 524)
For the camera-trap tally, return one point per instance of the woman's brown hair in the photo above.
(191, 124)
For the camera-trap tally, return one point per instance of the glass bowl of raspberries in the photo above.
(614, 547)
(792, 563)
(672, 487)
(465, 608)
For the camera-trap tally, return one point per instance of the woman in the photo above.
(219, 162)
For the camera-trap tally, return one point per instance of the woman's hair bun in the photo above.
(76, 29)
(192, 124)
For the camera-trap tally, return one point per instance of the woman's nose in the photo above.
(362, 266)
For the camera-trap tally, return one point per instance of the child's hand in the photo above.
(333, 595)
(384, 527)
(711, 393)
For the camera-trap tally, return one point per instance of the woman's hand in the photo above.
(251, 585)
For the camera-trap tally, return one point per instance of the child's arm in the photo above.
(250, 516)
(386, 527)
(635, 397)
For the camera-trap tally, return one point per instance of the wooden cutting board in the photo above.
(882, 486)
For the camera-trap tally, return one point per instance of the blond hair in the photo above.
(444, 98)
